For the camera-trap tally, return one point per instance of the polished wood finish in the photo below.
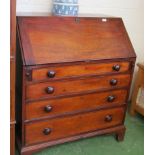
(62, 106)
(12, 73)
(12, 28)
(120, 134)
(79, 70)
(64, 87)
(12, 138)
(73, 80)
(12, 90)
(139, 83)
(69, 126)
(98, 40)
(29, 150)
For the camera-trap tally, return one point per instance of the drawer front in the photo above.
(78, 70)
(64, 87)
(68, 126)
(61, 106)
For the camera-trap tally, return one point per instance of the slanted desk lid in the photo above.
(47, 40)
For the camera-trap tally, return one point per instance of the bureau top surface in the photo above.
(47, 40)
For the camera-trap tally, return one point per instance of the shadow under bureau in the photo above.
(73, 79)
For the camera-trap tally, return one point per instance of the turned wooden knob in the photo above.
(48, 108)
(108, 118)
(113, 82)
(51, 74)
(49, 90)
(111, 98)
(47, 131)
(116, 67)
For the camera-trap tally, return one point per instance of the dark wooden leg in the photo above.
(120, 135)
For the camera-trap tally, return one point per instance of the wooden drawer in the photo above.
(61, 106)
(79, 70)
(68, 126)
(64, 87)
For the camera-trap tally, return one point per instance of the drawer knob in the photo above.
(108, 118)
(49, 90)
(111, 98)
(51, 74)
(47, 131)
(113, 82)
(48, 108)
(116, 67)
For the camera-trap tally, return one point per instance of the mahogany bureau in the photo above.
(73, 79)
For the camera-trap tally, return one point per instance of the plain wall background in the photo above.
(131, 11)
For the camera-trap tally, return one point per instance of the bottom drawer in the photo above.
(71, 125)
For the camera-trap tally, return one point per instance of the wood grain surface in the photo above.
(35, 110)
(69, 126)
(70, 86)
(56, 40)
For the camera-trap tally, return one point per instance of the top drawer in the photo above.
(79, 70)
